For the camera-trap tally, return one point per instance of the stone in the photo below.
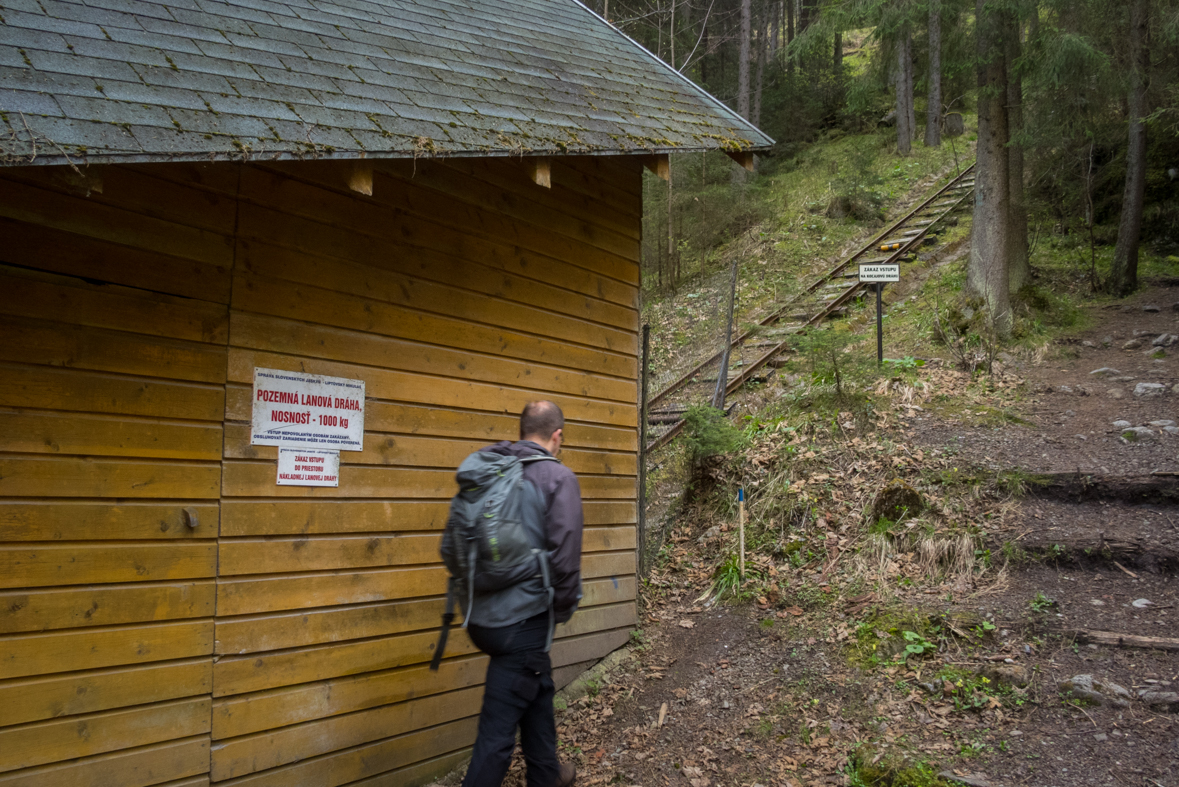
(1099, 692)
(969, 781)
(1126, 378)
(1008, 674)
(1136, 433)
(1165, 340)
(1101, 737)
(1151, 308)
(1167, 700)
(1106, 341)
(1161, 423)
(709, 534)
(1141, 603)
(1106, 371)
(1090, 344)
(1122, 424)
(895, 500)
(1065, 389)
(1133, 344)
(1149, 390)
(1080, 437)
(1171, 429)
(1157, 352)
(1115, 393)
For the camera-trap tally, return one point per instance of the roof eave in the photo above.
(245, 156)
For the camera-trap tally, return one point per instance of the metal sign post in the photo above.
(878, 275)
(879, 325)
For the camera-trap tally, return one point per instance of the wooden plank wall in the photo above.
(457, 291)
(114, 318)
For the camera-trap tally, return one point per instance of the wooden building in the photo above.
(440, 199)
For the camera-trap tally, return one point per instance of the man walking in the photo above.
(514, 627)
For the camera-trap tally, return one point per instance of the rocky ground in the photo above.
(1034, 667)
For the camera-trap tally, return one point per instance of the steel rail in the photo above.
(776, 315)
(848, 295)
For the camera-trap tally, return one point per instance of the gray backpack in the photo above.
(486, 545)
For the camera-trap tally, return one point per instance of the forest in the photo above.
(1073, 109)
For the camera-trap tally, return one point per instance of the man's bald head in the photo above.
(540, 420)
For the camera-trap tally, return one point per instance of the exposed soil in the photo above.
(1069, 412)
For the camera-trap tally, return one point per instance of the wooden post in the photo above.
(722, 377)
(741, 528)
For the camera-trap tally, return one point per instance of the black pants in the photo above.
(519, 693)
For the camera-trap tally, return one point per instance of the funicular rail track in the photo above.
(828, 295)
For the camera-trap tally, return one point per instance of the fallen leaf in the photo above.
(687, 624)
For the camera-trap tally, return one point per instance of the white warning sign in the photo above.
(305, 467)
(880, 273)
(299, 410)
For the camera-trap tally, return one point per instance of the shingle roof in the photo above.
(151, 80)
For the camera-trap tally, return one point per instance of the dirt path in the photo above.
(760, 696)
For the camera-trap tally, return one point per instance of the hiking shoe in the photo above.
(566, 775)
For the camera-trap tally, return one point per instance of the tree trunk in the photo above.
(759, 80)
(789, 36)
(1123, 275)
(987, 271)
(1018, 270)
(904, 93)
(837, 60)
(933, 113)
(806, 15)
(671, 34)
(909, 102)
(743, 59)
(743, 91)
(659, 32)
(775, 26)
(674, 265)
(704, 57)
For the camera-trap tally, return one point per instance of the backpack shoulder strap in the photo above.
(447, 619)
(538, 458)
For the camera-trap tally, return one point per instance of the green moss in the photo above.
(865, 769)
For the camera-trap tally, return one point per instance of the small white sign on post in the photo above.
(874, 273)
(300, 410)
(307, 467)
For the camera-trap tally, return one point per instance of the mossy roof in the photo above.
(163, 80)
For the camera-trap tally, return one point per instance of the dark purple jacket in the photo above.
(563, 521)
